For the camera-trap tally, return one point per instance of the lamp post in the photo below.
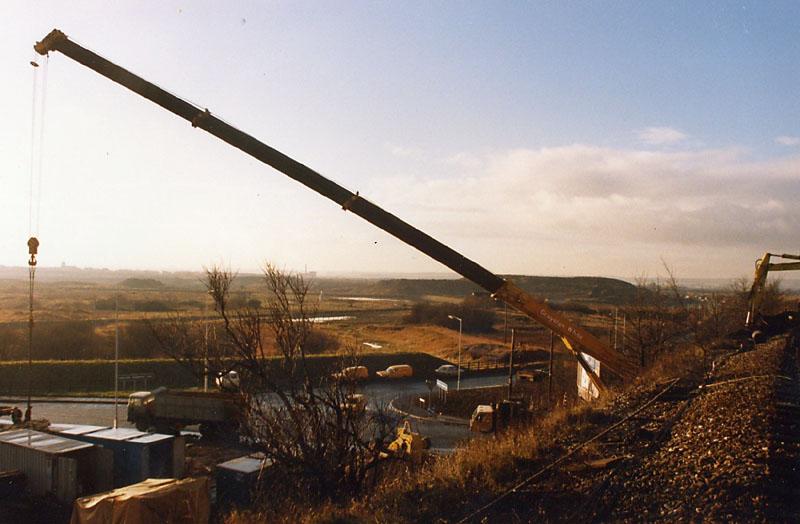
(458, 382)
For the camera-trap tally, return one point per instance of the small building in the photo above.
(62, 467)
(137, 455)
(237, 479)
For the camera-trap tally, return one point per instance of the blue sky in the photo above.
(558, 138)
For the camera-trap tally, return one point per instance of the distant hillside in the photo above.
(142, 283)
(556, 289)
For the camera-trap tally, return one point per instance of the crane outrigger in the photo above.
(575, 338)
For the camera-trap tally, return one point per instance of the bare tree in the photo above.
(650, 319)
(321, 443)
(659, 317)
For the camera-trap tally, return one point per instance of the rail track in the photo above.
(721, 447)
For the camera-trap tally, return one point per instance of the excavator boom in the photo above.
(577, 338)
(763, 267)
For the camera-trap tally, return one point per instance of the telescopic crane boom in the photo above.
(575, 338)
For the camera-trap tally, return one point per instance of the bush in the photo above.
(136, 340)
(321, 342)
(52, 377)
(63, 376)
(12, 342)
(142, 283)
(73, 339)
(474, 319)
(152, 306)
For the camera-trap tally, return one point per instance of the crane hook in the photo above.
(33, 247)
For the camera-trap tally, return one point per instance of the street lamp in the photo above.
(458, 383)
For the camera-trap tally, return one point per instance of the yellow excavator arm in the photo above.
(763, 267)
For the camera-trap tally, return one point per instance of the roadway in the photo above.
(444, 435)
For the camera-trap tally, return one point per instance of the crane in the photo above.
(763, 267)
(575, 338)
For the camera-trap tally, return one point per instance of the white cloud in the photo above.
(464, 160)
(658, 136)
(405, 151)
(577, 195)
(785, 140)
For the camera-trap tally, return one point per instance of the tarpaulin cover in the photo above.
(170, 501)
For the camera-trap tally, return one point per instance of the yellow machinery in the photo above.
(763, 267)
(408, 444)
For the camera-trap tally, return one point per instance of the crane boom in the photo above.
(576, 338)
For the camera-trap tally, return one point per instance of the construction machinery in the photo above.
(755, 319)
(575, 338)
(408, 444)
(491, 418)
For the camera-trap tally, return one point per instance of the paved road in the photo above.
(443, 436)
(385, 391)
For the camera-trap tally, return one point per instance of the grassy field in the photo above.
(75, 322)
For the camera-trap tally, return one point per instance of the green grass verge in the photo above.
(65, 377)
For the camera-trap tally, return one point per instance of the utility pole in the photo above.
(205, 345)
(505, 324)
(550, 370)
(453, 317)
(116, 356)
(511, 367)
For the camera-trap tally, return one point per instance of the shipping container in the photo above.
(55, 465)
(237, 479)
(137, 455)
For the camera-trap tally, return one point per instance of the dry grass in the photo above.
(394, 338)
(445, 488)
(450, 487)
(685, 361)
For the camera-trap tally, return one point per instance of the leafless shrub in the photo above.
(321, 445)
(654, 319)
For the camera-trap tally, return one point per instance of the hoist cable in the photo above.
(31, 274)
(43, 107)
(33, 147)
(37, 117)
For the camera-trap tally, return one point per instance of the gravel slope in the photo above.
(725, 448)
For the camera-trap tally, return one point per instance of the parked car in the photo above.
(447, 370)
(397, 371)
(531, 374)
(353, 373)
(355, 402)
(228, 381)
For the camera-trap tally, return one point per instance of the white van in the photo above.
(397, 371)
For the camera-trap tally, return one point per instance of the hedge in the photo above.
(84, 376)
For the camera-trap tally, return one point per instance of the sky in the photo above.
(540, 138)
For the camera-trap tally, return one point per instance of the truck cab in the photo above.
(490, 418)
(482, 420)
(139, 407)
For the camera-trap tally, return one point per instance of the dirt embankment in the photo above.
(731, 456)
(725, 450)
(668, 450)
